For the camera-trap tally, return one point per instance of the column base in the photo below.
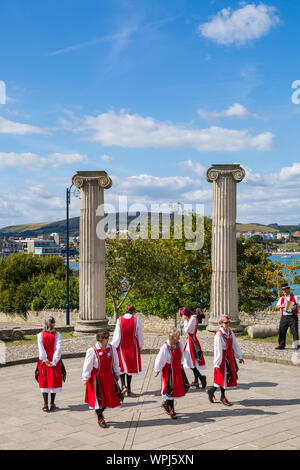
(235, 326)
(90, 327)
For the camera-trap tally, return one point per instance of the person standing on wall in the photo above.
(128, 340)
(288, 304)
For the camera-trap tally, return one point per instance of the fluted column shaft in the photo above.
(92, 252)
(224, 286)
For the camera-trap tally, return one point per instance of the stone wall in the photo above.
(150, 323)
(37, 318)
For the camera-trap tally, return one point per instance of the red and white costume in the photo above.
(282, 302)
(172, 383)
(49, 378)
(128, 339)
(98, 369)
(191, 327)
(225, 343)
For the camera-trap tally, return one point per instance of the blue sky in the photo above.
(154, 93)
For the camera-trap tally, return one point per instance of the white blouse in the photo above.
(118, 334)
(57, 348)
(220, 345)
(164, 357)
(189, 326)
(91, 361)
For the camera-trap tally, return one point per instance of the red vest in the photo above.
(292, 299)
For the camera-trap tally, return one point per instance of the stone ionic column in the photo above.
(92, 252)
(224, 286)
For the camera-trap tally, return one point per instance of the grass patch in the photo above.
(32, 339)
(270, 339)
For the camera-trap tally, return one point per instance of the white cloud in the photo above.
(106, 158)
(288, 173)
(35, 162)
(235, 110)
(11, 127)
(132, 130)
(245, 24)
(196, 168)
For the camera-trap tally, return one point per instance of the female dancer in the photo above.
(225, 367)
(49, 372)
(194, 358)
(100, 375)
(128, 339)
(174, 383)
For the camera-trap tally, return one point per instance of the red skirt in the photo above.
(178, 388)
(49, 377)
(219, 374)
(106, 389)
(129, 356)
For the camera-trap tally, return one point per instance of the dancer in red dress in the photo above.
(174, 383)
(225, 367)
(100, 375)
(128, 339)
(193, 356)
(49, 369)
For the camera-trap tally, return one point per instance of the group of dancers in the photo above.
(105, 363)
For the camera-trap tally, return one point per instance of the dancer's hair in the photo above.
(223, 318)
(174, 333)
(185, 311)
(49, 324)
(130, 309)
(102, 334)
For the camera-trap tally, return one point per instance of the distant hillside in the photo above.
(286, 228)
(256, 228)
(34, 230)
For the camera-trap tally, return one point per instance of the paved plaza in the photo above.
(265, 413)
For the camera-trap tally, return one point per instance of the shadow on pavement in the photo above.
(271, 402)
(184, 418)
(257, 384)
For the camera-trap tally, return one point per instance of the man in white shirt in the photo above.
(288, 304)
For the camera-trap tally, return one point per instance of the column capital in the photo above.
(234, 171)
(99, 178)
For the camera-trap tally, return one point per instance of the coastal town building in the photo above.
(40, 247)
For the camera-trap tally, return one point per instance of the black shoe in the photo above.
(280, 347)
(210, 392)
(53, 407)
(226, 402)
(166, 407)
(203, 381)
(195, 385)
(45, 408)
(173, 414)
(102, 423)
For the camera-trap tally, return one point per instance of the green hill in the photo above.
(255, 228)
(34, 230)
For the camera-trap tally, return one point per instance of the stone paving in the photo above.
(265, 413)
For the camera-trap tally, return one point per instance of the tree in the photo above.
(32, 281)
(258, 278)
(138, 265)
